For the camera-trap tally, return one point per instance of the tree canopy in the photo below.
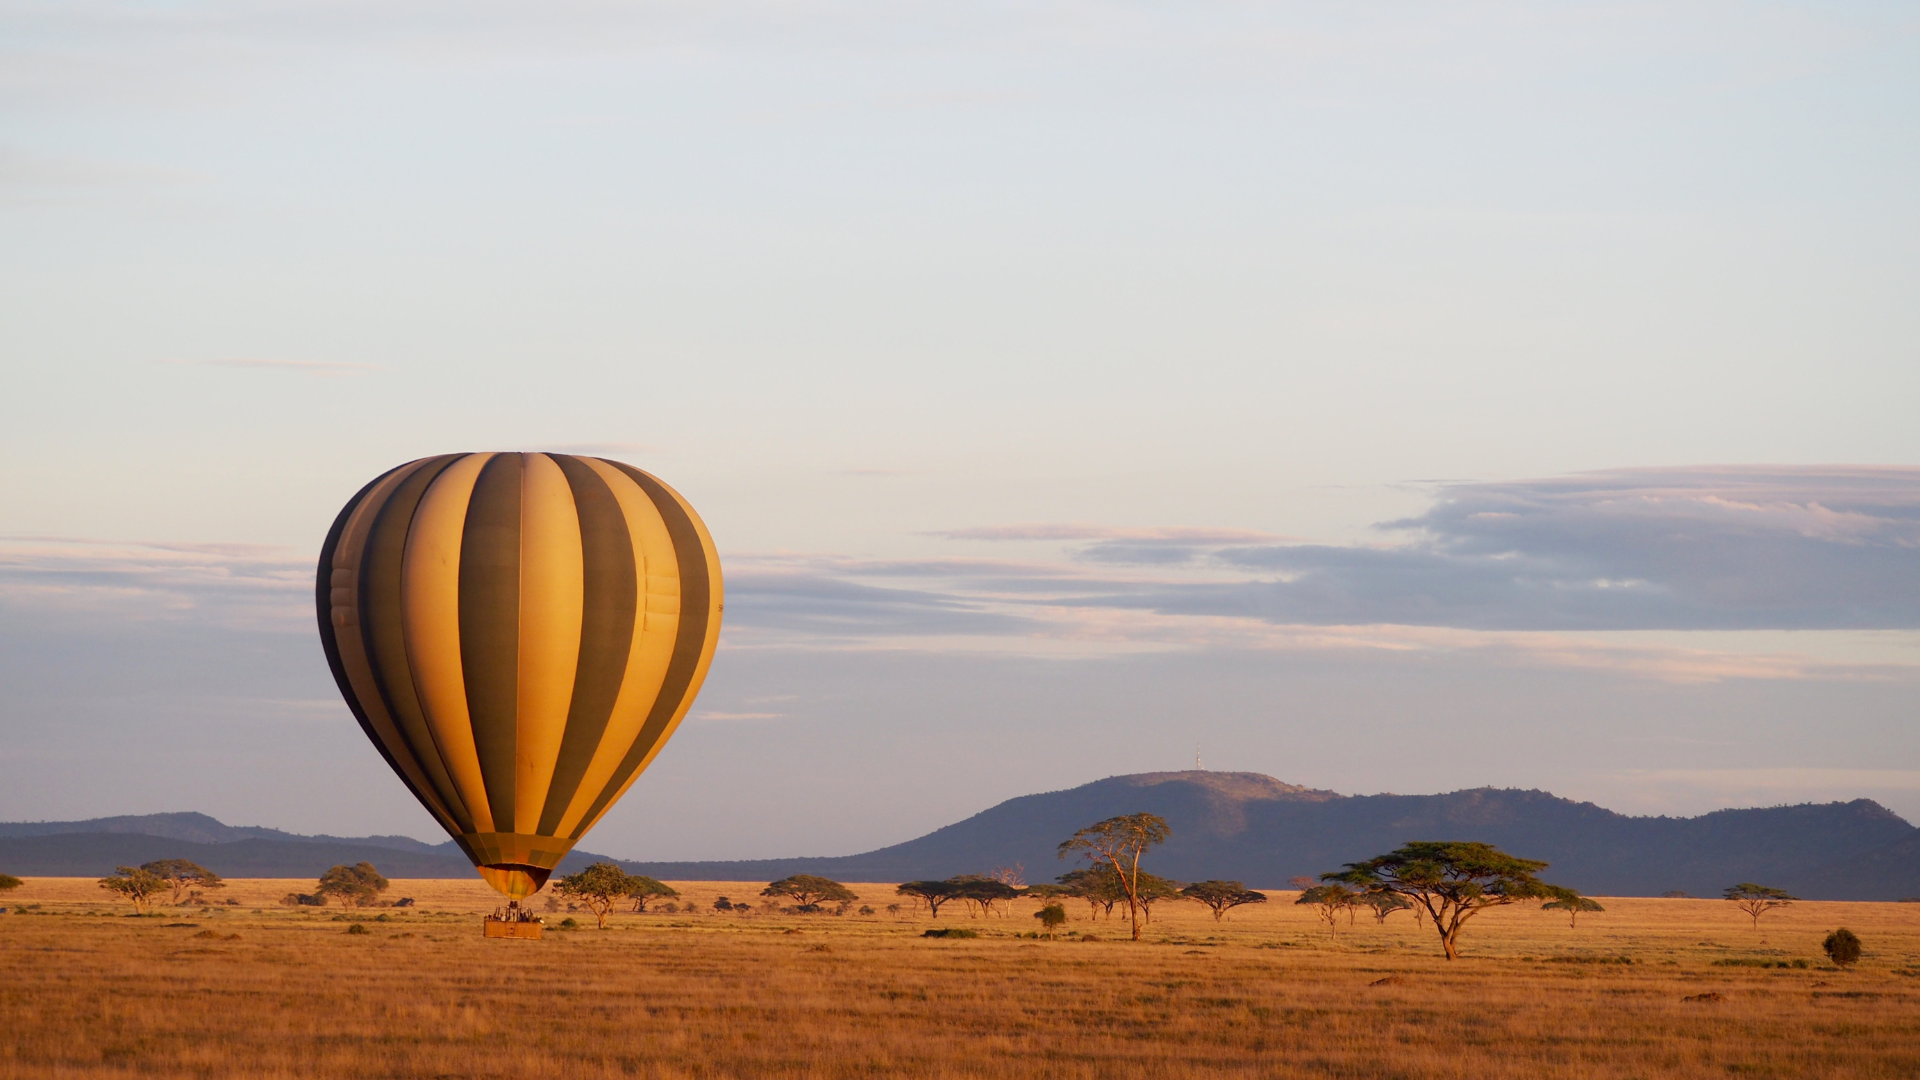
(978, 890)
(354, 886)
(1222, 896)
(1842, 947)
(1329, 901)
(1757, 900)
(181, 875)
(139, 886)
(1052, 917)
(645, 890)
(1452, 881)
(599, 886)
(1383, 904)
(1151, 890)
(1119, 842)
(807, 891)
(931, 893)
(1573, 906)
(8, 883)
(1099, 886)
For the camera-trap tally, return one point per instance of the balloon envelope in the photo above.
(518, 634)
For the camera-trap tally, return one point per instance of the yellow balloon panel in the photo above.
(518, 634)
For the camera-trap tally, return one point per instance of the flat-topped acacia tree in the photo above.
(1222, 896)
(1757, 900)
(1573, 906)
(182, 875)
(644, 890)
(139, 886)
(1452, 881)
(808, 890)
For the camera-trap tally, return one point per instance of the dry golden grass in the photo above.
(91, 992)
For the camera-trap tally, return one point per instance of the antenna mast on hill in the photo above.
(1196, 758)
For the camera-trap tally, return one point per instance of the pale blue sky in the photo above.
(1065, 384)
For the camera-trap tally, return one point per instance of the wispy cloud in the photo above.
(235, 585)
(309, 367)
(1549, 572)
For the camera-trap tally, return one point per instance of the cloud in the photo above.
(1571, 573)
(1046, 531)
(1546, 572)
(238, 586)
(1726, 547)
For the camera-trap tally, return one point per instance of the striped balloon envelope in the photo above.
(518, 634)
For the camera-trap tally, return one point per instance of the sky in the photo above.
(1383, 397)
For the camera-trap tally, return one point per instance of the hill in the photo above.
(1254, 828)
(1243, 826)
(93, 848)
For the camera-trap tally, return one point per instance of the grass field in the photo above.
(263, 990)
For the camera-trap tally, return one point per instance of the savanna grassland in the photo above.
(265, 990)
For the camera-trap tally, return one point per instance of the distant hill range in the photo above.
(1253, 828)
(1242, 826)
(93, 848)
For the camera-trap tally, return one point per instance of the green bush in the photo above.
(952, 932)
(356, 928)
(1842, 947)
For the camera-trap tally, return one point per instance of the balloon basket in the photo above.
(497, 928)
(512, 921)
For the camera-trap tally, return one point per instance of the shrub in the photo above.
(952, 932)
(356, 928)
(1842, 947)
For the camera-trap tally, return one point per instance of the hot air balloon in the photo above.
(518, 634)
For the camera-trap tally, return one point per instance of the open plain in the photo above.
(260, 989)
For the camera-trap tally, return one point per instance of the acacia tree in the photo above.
(599, 886)
(1099, 886)
(930, 893)
(1383, 904)
(806, 891)
(1757, 900)
(8, 883)
(181, 875)
(645, 890)
(1052, 917)
(355, 886)
(1222, 896)
(1452, 881)
(1329, 901)
(1153, 889)
(984, 892)
(1573, 906)
(135, 884)
(1119, 842)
